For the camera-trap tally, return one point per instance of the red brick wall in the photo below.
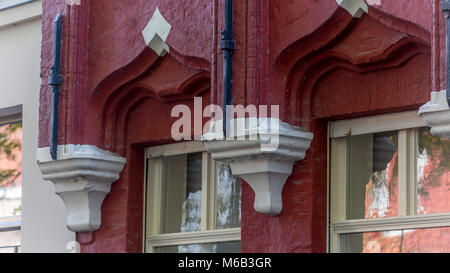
(308, 56)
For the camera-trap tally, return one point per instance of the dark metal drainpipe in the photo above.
(55, 81)
(446, 9)
(227, 45)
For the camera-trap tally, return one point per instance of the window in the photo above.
(389, 186)
(193, 204)
(10, 179)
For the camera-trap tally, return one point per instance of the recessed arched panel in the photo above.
(165, 79)
(344, 91)
(377, 50)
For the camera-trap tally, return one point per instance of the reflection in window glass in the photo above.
(191, 217)
(228, 198)
(433, 173)
(10, 170)
(225, 247)
(182, 193)
(435, 240)
(372, 186)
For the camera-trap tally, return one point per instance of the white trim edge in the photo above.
(175, 149)
(392, 224)
(376, 124)
(355, 7)
(189, 238)
(156, 33)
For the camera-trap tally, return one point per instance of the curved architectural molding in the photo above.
(262, 154)
(156, 83)
(147, 77)
(391, 44)
(436, 114)
(82, 175)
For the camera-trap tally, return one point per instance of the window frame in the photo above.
(407, 124)
(11, 115)
(11, 224)
(208, 233)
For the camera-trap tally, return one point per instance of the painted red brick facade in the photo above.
(311, 57)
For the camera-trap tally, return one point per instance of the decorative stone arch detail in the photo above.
(126, 88)
(332, 46)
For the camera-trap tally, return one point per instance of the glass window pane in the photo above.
(228, 198)
(372, 176)
(181, 193)
(224, 247)
(435, 240)
(433, 173)
(10, 170)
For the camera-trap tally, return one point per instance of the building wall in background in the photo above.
(43, 212)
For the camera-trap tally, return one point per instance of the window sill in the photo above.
(392, 223)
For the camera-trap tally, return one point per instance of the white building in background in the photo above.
(41, 227)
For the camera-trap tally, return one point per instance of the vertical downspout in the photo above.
(227, 45)
(446, 9)
(55, 81)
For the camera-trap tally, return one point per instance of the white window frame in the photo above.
(9, 224)
(10, 115)
(208, 233)
(407, 124)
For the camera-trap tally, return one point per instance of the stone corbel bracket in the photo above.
(436, 114)
(261, 155)
(82, 175)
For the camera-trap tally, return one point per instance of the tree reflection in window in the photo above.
(10, 169)
(383, 183)
(228, 198)
(433, 173)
